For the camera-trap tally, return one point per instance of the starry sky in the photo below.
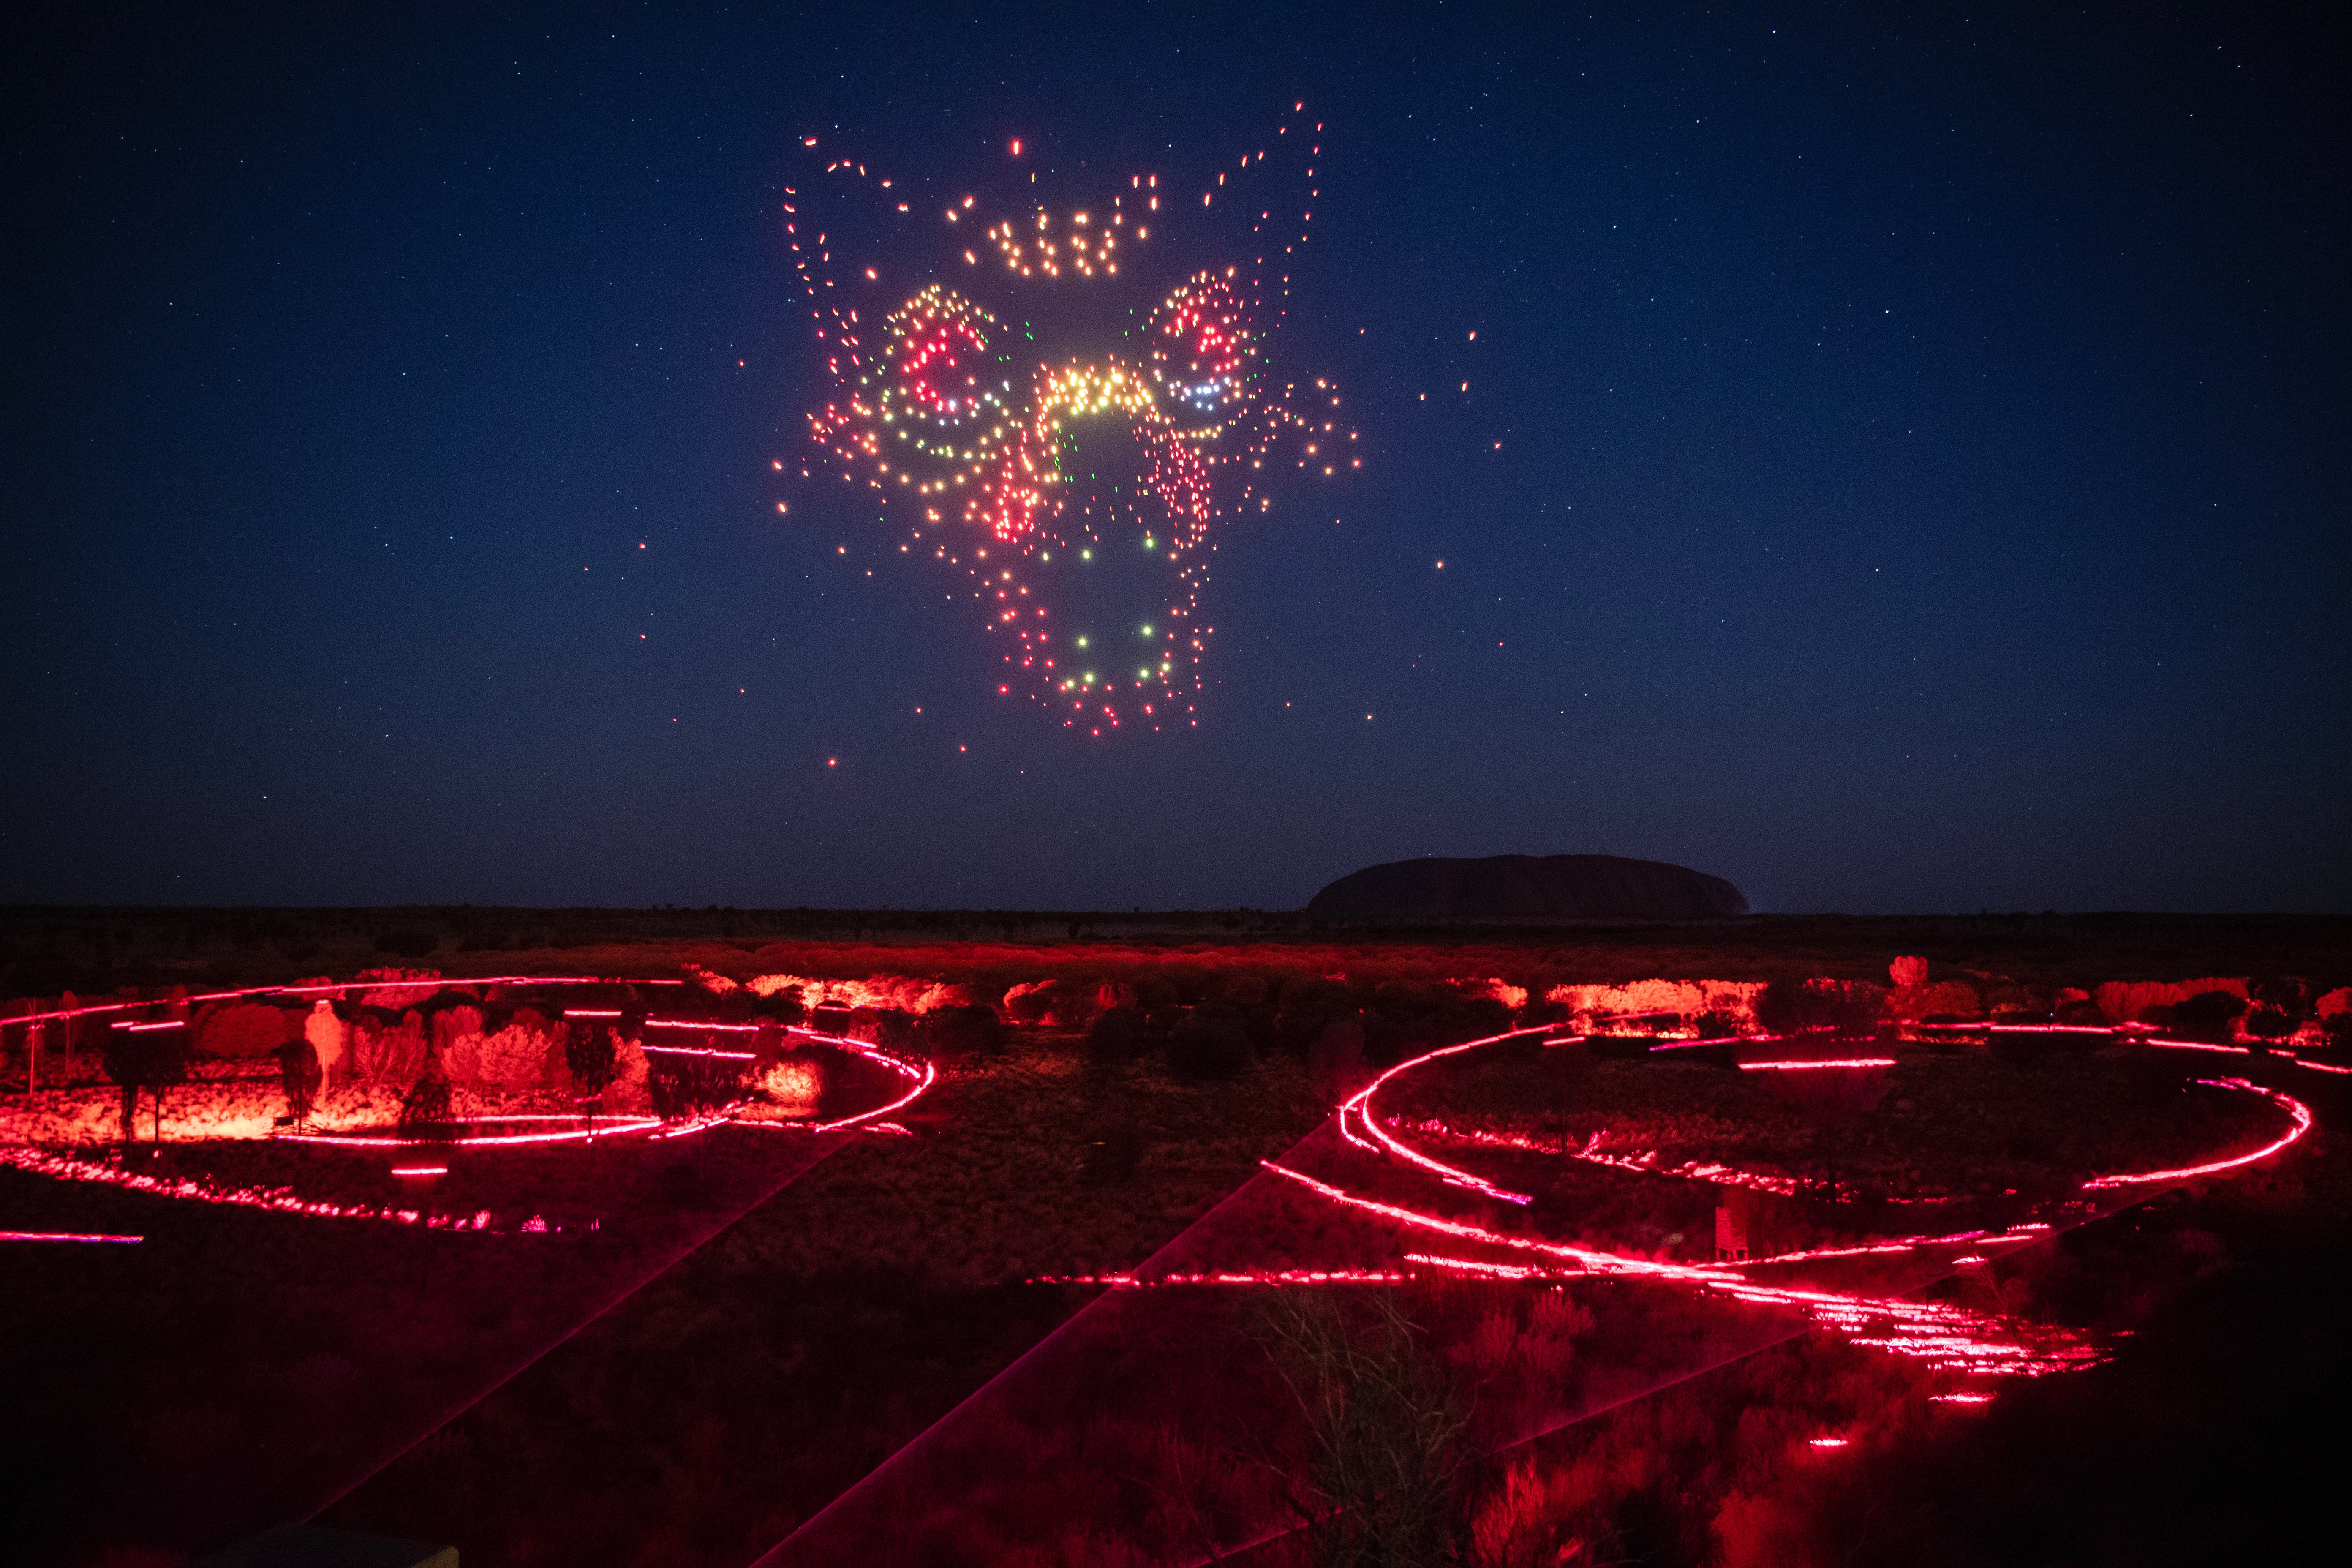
(1902, 465)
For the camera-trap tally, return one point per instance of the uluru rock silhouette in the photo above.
(1527, 887)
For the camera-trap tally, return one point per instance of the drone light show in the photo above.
(1058, 385)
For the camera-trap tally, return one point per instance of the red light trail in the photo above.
(279, 1200)
(2296, 1111)
(1944, 1335)
(919, 1076)
(1233, 1276)
(572, 1132)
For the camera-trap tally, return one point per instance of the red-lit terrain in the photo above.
(1159, 1252)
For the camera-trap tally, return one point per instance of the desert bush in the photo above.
(424, 1108)
(1407, 1000)
(1156, 995)
(1112, 1038)
(2081, 1011)
(2205, 1016)
(686, 1087)
(1208, 1045)
(517, 1055)
(1538, 1010)
(867, 1024)
(1387, 1429)
(1069, 1002)
(2282, 993)
(588, 1054)
(1793, 1006)
(898, 1030)
(1077, 1001)
(2269, 1024)
(150, 1060)
(972, 1030)
(1243, 991)
(784, 1007)
(242, 1029)
(1029, 1002)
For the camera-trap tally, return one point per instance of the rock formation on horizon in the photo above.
(1528, 886)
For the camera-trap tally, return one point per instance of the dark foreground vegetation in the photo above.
(1109, 1086)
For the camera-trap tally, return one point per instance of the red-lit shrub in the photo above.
(684, 1087)
(588, 1054)
(152, 1059)
(784, 1007)
(244, 1029)
(424, 1110)
(1794, 1006)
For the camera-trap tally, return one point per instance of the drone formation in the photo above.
(1077, 492)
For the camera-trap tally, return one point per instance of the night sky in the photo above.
(1902, 469)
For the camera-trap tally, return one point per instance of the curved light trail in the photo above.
(63, 1167)
(1944, 1335)
(2299, 1112)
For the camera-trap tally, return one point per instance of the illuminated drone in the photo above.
(1074, 481)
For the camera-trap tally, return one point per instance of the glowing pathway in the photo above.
(510, 1130)
(1944, 1335)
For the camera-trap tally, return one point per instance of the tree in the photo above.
(150, 1058)
(588, 1053)
(299, 1073)
(424, 1108)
